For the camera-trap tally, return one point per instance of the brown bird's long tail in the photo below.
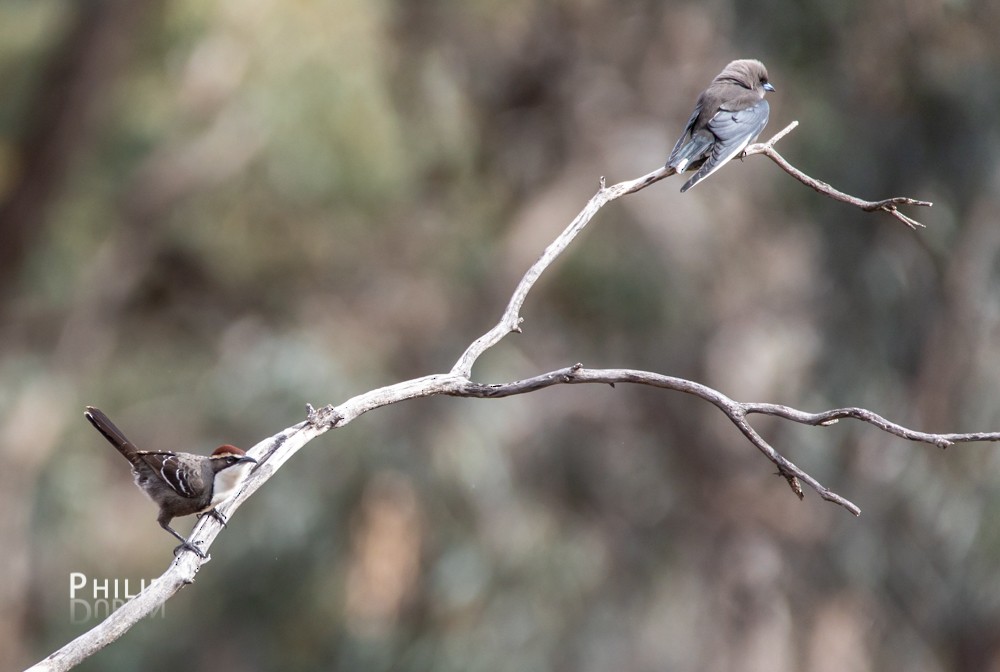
(114, 435)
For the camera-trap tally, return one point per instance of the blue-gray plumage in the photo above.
(728, 116)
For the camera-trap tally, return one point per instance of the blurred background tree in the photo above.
(212, 213)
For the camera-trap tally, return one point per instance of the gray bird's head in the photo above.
(748, 73)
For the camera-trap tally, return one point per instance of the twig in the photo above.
(736, 411)
(890, 205)
(511, 320)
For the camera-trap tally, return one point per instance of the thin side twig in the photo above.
(889, 205)
(736, 411)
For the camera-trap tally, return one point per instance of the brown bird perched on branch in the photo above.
(728, 116)
(180, 483)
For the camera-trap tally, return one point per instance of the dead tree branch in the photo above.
(274, 451)
(890, 205)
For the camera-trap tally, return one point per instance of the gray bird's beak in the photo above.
(246, 458)
(768, 87)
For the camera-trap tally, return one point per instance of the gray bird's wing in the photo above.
(690, 147)
(733, 131)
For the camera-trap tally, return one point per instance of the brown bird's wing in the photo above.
(169, 468)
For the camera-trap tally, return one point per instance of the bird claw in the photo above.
(188, 546)
(215, 514)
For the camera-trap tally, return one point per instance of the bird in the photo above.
(180, 483)
(728, 116)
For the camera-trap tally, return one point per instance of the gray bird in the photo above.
(728, 116)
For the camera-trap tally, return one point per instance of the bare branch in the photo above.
(736, 411)
(890, 205)
(274, 451)
(510, 321)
